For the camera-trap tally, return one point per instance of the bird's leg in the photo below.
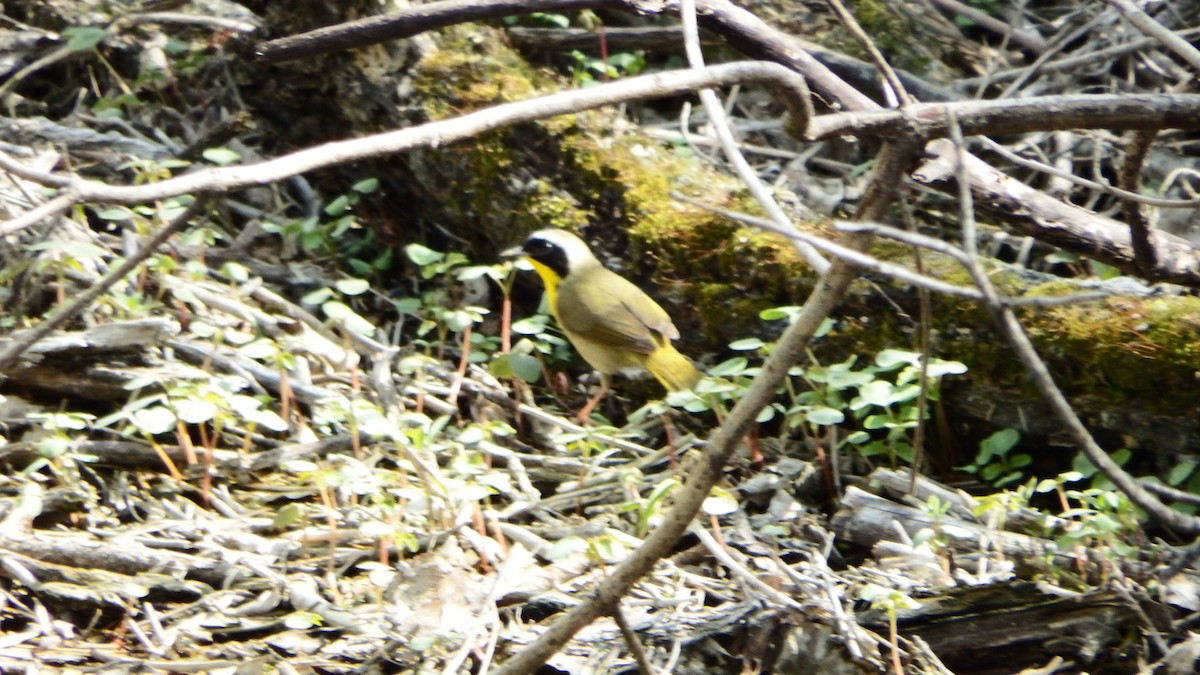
(586, 412)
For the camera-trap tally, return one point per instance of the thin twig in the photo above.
(631, 639)
(739, 570)
(860, 36)
(41, 212)
(849, 254)
(1055, 48)
(1119, 193)
(720, 124)
(1027, 39)
(1069, 62)
(1001, 117)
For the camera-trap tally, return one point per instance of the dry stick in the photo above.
(1145, 257)
(10, 356)
(1148, 25)
(904, 100)
(1042, 113)
(747, 33)
(850, 255)
(741, 28)
(1069, 62)
(1053, 49)
(435, 134)
(654, 38)
(925, 338)
(631, 639)
(1055, 222)
(890, 166)
(36, 215)
(939, 246)
(890, 269)
(1015, 334)
(407, 23)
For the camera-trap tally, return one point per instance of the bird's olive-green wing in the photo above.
(605, 308)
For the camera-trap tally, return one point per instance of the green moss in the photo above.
(473, 71)
(1126, 348)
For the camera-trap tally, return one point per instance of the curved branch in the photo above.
(434, 134)
(742, 29)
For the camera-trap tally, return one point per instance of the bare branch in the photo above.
(407, 23)
(39, 213)
(899, 93)
(658, 38)
(853, 255)
(1125, 195)
(1055, 222)
(1026, 39)
(434, 134)
(1044, 113)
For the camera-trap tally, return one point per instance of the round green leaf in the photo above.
(220, 156)
(353, 286)
(422, 255)
(154, 420)
(825, 416)
(83, 38)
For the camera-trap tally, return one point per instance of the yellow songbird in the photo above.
(612, 323)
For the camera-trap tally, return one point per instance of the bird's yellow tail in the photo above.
(673, 369)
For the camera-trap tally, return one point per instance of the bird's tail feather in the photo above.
(674, 370)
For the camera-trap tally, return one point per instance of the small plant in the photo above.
(996, 462)
(330, 300)
(444, 317)
(891, 602)
(324, 235)
(440, 310)
(873, 408)
(649, 508)
(591, 70)
(59, 433)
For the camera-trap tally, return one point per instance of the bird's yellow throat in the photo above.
(550, 279)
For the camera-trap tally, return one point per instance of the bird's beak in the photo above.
(514, 252)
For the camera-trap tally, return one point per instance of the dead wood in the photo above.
(995, 630)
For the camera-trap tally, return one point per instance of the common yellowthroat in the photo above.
(612, 323)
